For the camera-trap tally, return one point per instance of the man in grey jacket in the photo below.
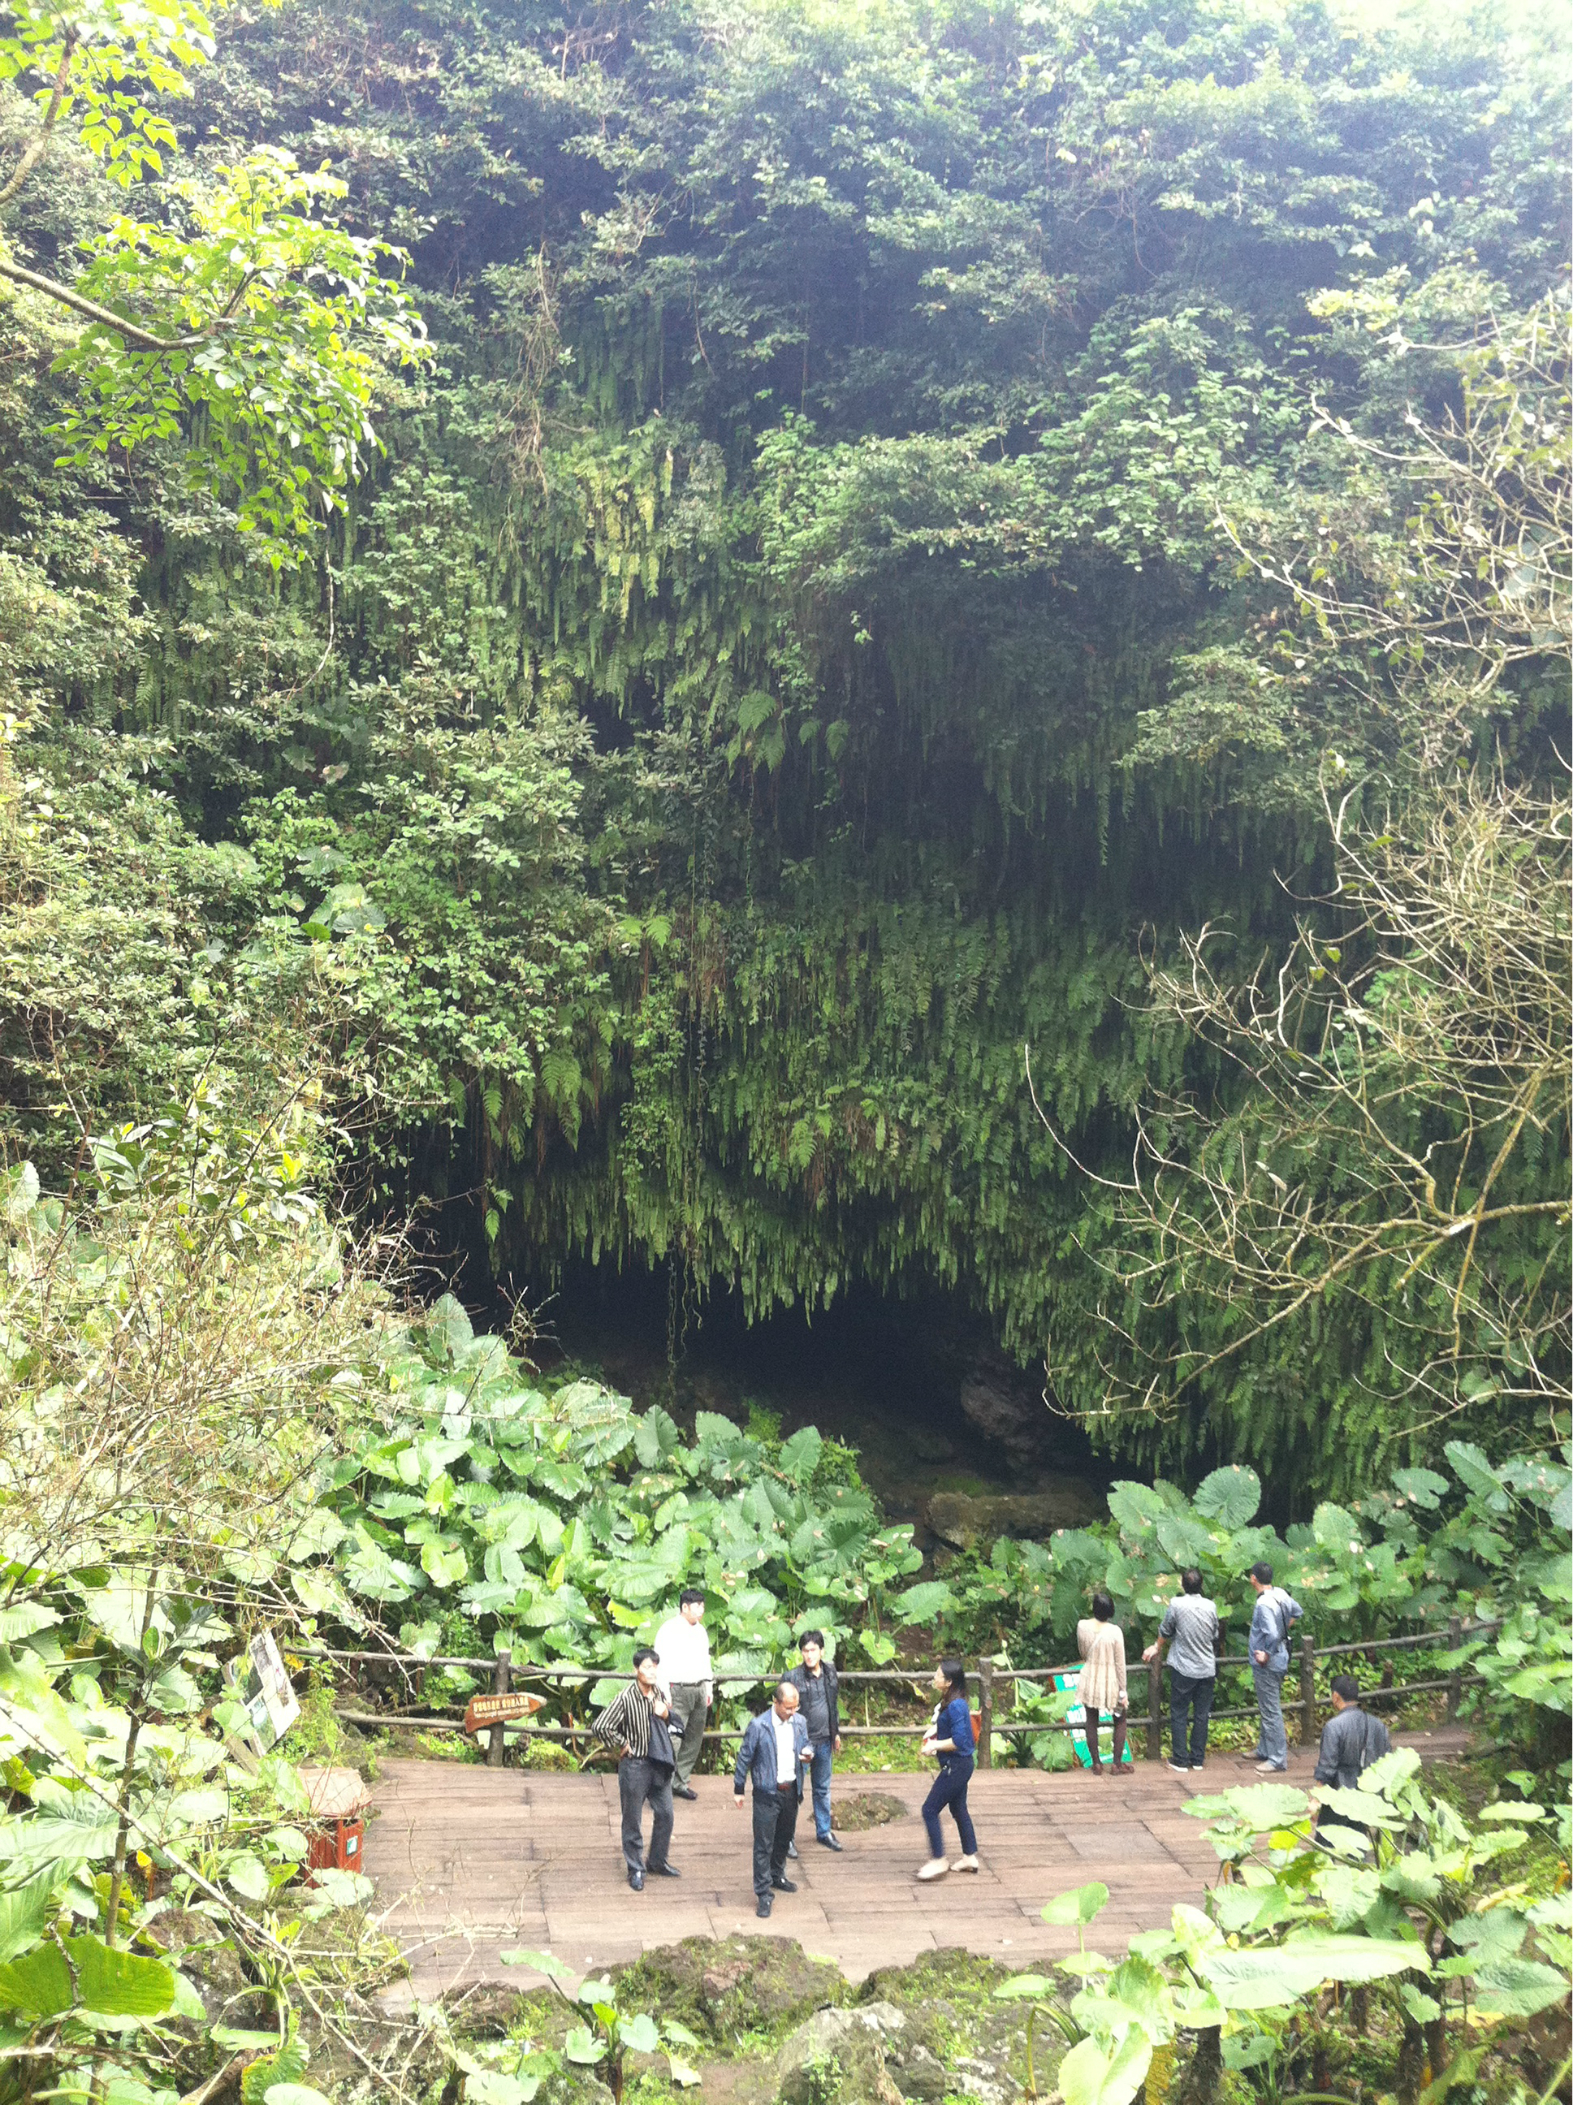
(1272, 1618)
(774, 1753)
(1351, 1741)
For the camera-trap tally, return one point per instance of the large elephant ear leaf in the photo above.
(1230, 1496)
(38, 1985)
(656, 1437)
(800, 1455)
(1089, 2076)
(1080, 1905)
(120, 1984)
(23, 1914)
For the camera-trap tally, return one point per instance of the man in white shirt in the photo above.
(684, 1645)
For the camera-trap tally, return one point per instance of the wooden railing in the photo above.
(508, 1674)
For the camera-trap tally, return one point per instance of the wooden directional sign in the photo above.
(482, 1711)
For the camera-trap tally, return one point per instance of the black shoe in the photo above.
(827, 1842)
(636, 1880)
(783, 1885)
(681, 1790)
(792, 1849)
(665, 1871)
(762, 1905)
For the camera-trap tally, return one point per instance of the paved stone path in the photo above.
(471, 1862)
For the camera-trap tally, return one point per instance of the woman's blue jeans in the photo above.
(950, 1788)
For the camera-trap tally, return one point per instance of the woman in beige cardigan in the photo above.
(1101, 1643)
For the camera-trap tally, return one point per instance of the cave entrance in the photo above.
(947, 1426)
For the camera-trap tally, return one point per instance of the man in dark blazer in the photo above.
(775, 1752)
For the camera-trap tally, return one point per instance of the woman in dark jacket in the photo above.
(950, 1739)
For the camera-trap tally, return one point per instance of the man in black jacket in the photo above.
(818, 1693)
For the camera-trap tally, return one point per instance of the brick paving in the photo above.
(471, 1862)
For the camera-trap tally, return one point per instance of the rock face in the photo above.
(966, 1523)
(1006, 1405)
(845, 2057)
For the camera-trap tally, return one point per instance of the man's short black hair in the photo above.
(1347, 1686)
(1191, 1580)
(786, 1688)
(646, 1652)
(812, 1637)
(1263, 1571)
(690, 1593)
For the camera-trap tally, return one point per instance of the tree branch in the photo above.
(37, 147)
(141, 339)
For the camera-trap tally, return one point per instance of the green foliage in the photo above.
(567, 1523)
(796, 637)
(1408, 1905)
(236, 328)
(611, 2033)
(1489, 1541)
(269, 327)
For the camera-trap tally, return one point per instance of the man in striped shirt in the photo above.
(634, 1725)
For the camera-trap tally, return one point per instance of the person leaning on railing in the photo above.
(1195, 1639)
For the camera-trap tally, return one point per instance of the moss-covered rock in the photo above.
(725, 1986)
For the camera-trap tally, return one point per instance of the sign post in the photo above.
(495, 1711)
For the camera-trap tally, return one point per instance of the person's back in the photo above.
(1191, 1628)
(1351, 1741)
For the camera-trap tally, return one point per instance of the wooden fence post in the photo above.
(502, 1677)
(1155, 1711)
(1455, 1680)
(1307, 1691)
(986, 1709)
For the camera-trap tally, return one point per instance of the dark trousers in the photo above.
(1117, 1728)
(775, 1823)
(638, 1780)
(1190, 1706)
(950, 1788)
(688, 1727)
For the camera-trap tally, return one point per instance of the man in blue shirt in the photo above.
(774, 1753)
(1271, 1620)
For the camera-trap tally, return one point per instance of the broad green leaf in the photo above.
(542, 1963)
(1229, 1496)
(39, 1985)
(800, 1455)
(247, 1873)
(1079, 1906)
(1025, 1987)
(1515, 1987)
(24, 1911)
(924, 1604)
(1281, 1974)
(120, 1983)
(640, 2033)
(1089, 2076)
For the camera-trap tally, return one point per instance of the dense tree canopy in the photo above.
(877, 557)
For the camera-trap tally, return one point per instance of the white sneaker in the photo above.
(936, 1867)
(1271, 1768)
(965, 1863)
